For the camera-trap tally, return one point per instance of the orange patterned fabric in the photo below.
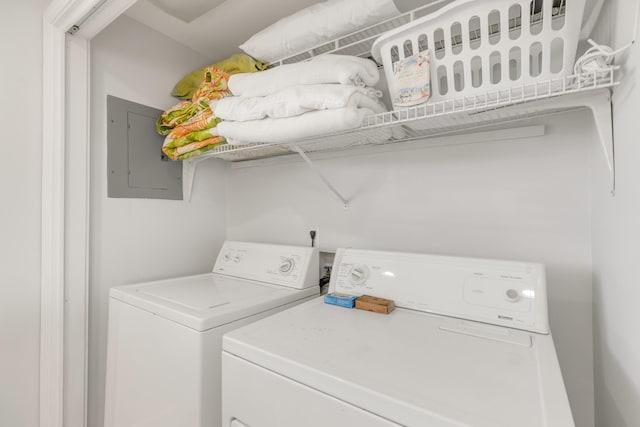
(214, 86)
(199, 122)
(189, 125)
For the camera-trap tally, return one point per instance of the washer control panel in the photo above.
(358, 275)
(505, 293)
(287, 265)
(292, 266)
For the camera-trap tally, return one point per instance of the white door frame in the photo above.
(65, 206)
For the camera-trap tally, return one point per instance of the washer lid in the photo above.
(206, 301)
(413, 368)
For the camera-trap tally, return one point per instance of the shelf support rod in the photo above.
(324, 179)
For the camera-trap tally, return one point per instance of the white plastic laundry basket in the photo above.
(479, 46)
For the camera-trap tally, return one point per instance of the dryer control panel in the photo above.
(505, 293)
(292, 266)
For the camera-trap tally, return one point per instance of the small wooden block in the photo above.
(375, 304)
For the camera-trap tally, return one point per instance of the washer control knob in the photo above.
(512, 295)
(237, 258)
(227, 257)
(358, 275)
(286, 265)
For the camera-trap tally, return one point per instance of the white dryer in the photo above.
(165, 337)
(468, 345)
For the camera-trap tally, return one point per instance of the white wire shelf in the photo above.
(359, 43)
(443, 117)
(459, 115)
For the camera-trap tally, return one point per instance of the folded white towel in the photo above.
(343, 69)
(297, 100)
(292, 129)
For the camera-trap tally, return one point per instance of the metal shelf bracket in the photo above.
(297, 149)
(599, 102)
(602, 111)
(188, 174)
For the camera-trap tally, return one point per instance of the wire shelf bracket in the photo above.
(599, 102)
(188, 174)
(602, 110)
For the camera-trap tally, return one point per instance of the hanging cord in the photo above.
(598, 59)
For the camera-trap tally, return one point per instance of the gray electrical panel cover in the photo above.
(136, 165)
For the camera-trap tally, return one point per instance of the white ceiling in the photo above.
(187, 11)
(218, 33)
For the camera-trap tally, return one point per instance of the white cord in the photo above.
(598, 58)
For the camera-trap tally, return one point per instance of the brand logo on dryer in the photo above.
(501, 317)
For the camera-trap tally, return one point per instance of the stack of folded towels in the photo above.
(189, 126)
(329, 93)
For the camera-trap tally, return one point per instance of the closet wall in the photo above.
(135, 239)
(20, 186)
(616, 239)
(520, 199)
(532, 199)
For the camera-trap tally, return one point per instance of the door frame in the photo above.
(64, 265)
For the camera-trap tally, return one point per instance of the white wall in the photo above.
(616, 240)
(526, 199)
(133, 239)
(20, 175)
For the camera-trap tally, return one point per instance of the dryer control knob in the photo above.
(227, 257)
(286, 265)
(512, 295)
(358, 275)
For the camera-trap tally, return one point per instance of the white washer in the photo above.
(468, 345)
(165, 337)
